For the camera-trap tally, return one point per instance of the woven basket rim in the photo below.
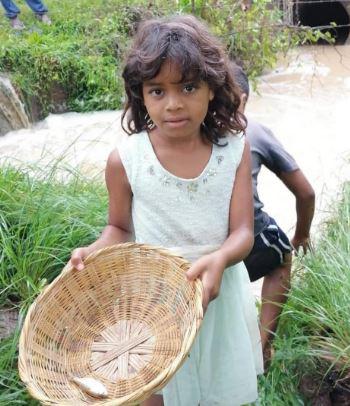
(160, 380)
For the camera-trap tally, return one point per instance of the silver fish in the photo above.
(91, 386)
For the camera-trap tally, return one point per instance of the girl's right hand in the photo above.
(209, 268)
(78, 256)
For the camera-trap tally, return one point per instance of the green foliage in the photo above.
(254, 37)
(320, 302)
(257, 36)
(314, 330)
(12, 392)
(80, 54)
(41, 221)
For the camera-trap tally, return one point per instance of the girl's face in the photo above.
(176, 108)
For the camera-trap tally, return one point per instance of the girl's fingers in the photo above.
(80, 266)
(77, 259)
(194, 272)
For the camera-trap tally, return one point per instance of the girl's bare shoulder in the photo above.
(115, 170)
(114, 162)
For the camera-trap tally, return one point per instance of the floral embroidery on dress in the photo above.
(219, 159)
(179, 184)
(165, 180)
(189, 188)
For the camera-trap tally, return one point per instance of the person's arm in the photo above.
(304, 194)
(280, 162)
(210, 268)
(119, 211)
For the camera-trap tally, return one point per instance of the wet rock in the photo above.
(58, 97)
(12, 112)
(340, 396)
(322, 400)
(311, 386)
(55, 100)
(316, 390)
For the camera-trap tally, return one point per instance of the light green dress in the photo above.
(191, 217)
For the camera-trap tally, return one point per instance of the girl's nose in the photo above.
(174, 102)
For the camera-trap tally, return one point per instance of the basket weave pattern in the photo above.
(128, 320)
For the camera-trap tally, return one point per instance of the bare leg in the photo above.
(273, 295)
(154, 400)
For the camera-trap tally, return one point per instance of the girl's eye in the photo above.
(156, 92)
(189, 88)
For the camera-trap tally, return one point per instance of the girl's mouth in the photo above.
(176, 123)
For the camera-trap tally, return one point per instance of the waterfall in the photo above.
(12, 113)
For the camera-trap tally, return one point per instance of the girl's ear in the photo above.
(211, 95)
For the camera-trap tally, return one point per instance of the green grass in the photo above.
(41, 221)
(79, 52)
(314, 330)
(12, 392)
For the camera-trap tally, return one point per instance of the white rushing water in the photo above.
(305, 101)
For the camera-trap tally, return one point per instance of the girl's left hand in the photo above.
(209, 269)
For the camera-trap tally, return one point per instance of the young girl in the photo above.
(183, 179)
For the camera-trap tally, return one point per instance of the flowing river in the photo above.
(305, 100)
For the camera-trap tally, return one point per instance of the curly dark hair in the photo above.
(240, 78)
(186, 42)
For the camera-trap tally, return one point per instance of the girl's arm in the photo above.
(241, 238)
(118, 229)
(237, 246)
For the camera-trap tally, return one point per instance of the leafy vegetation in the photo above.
(313, 337)
(79, 57)
(41, 220)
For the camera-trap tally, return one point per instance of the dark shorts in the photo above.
(268, 253)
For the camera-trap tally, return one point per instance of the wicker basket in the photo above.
(127, 320)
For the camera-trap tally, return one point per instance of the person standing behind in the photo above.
(12, 11)
(271, 255)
